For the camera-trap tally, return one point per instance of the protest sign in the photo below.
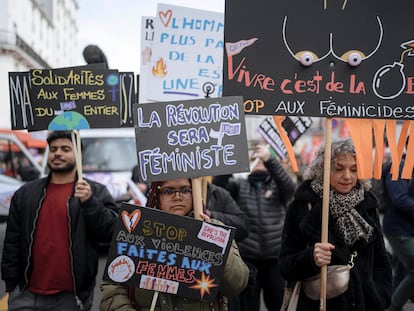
(65, 99)
(295, 127)
(22, 114)
(346, 59)
(147, 38)
(127, 97)
(193, 138)
(167, 253)
(333, 59)
(187, 54)
(71, 98)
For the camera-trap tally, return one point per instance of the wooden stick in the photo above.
(78, 149)
(197, 197)
(154, 300)
(325, 208)
(204, 183)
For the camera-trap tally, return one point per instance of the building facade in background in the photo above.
(35, 34)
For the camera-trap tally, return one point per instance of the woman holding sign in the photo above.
(355, 246)
(175, 196)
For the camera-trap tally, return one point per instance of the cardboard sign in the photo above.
(187, 54)
(147, 37)
(295, 127)
(66, 99)
(186, 139)
(22, 114)
(127, 98)
(163, 252)
(71, 98)
(339, 59)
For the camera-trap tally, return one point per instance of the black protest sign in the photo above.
(295, 127)
(27, 112)
(22, 114)
(81, 98)
(343, 59)
(194, 138)
(127, 98)
(163, 252)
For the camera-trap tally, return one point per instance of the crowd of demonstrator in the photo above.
(55, 224)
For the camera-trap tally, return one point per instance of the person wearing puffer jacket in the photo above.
(263, 197)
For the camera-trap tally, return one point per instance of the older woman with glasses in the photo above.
(175, 197)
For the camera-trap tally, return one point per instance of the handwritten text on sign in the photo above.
(187, 54)
(187, 138)
(75, 98)
(324, 72)
(158, 251)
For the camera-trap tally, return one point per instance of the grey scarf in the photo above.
(342, 208)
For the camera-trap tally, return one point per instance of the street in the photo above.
(97, 296)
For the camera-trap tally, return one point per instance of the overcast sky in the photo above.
(114, 25)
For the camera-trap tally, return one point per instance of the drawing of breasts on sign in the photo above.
(344, 32)
(347, 59)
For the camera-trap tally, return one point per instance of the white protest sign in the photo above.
(187, 54)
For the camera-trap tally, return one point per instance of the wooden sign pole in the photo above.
(204, 185)
(154, 301)
(197, 197)
(325, 208)
(78, 148)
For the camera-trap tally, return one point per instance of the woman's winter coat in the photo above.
(370, 283)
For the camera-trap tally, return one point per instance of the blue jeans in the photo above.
(403, 248)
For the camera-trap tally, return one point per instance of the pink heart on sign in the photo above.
(131, 220)
(165, 17)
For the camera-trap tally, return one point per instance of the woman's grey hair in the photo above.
(338, 147)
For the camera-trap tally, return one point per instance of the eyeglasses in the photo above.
(169, 192)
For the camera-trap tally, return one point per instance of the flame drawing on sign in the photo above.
(408, 49)
(159, 70)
